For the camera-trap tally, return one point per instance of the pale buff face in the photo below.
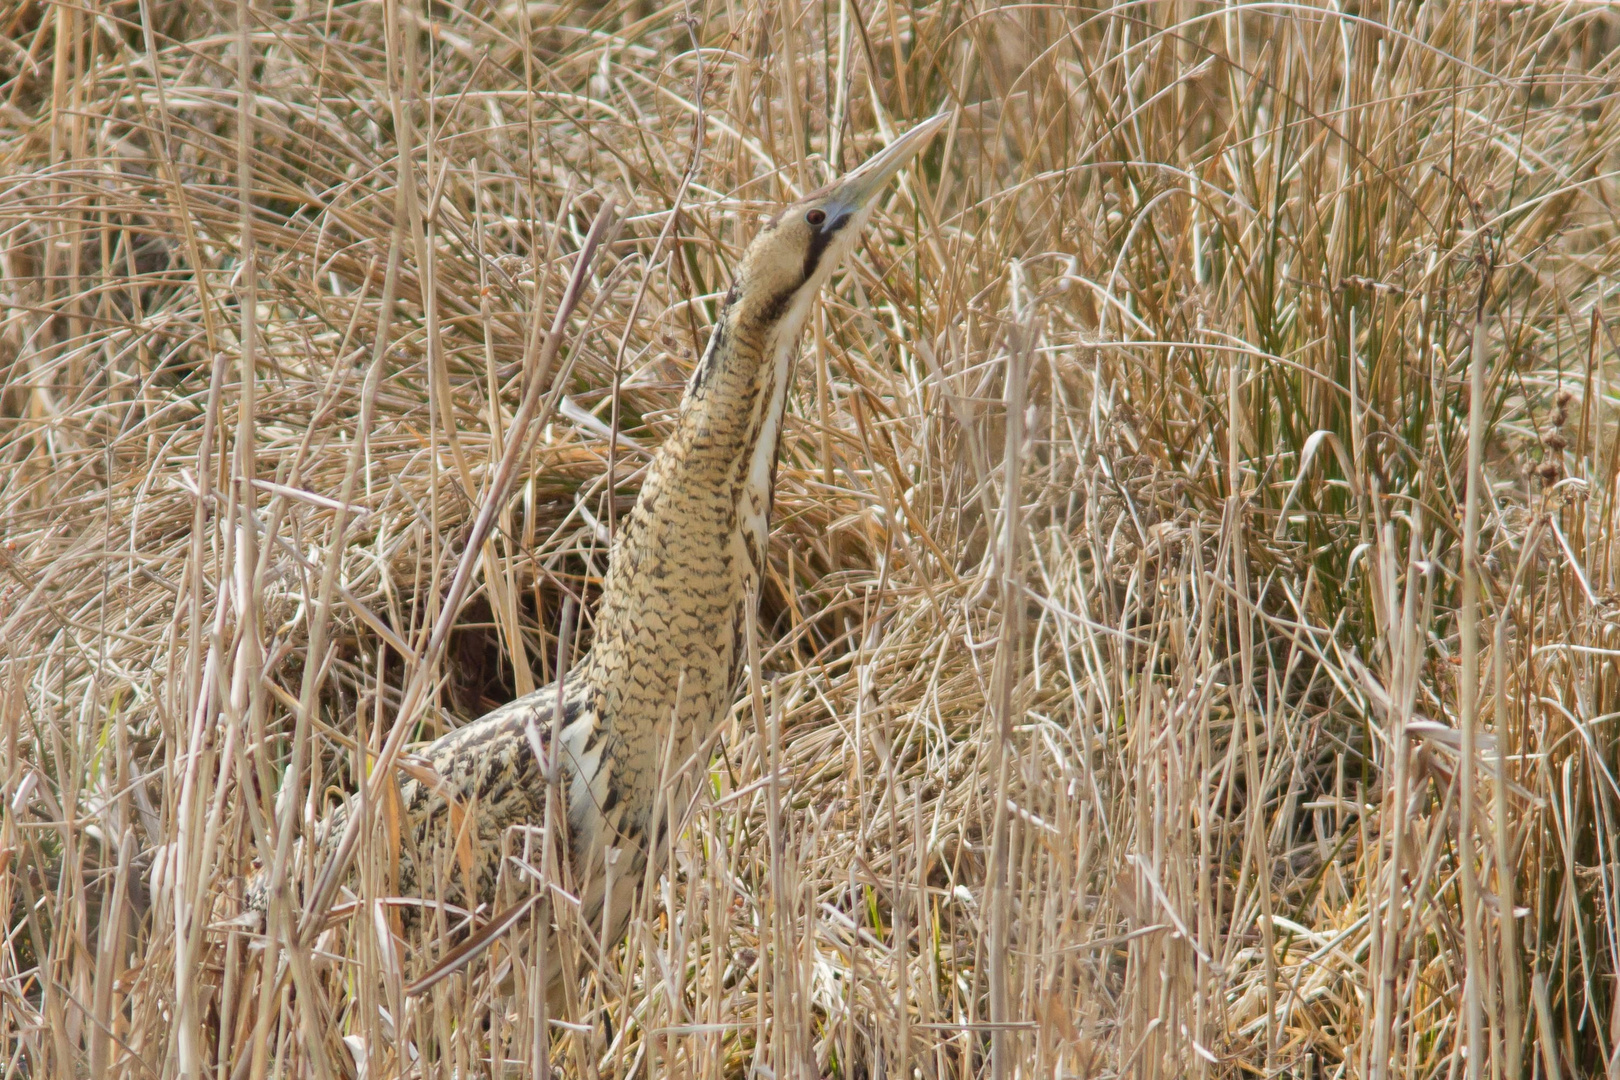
(799, 248)
(793, 255)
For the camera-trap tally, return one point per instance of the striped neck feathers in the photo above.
(710, 483)
(730, 428)
(693, 548)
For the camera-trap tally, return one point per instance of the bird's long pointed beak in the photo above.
(864, 182)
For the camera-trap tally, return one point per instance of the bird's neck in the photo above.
(668, 637)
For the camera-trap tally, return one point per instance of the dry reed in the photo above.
(1125, 704)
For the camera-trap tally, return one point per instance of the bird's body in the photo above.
(668, 647)
(666, 655)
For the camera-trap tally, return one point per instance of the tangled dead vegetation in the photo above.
(1125, 705)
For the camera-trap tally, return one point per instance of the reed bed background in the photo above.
(1125, 705)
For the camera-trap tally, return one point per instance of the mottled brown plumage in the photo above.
(663, 669)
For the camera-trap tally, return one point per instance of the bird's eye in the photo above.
(816, 217)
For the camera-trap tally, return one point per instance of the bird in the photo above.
(665, 665)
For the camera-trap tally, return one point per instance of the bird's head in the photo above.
(801, 246)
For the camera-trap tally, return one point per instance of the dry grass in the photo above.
(1120, 658)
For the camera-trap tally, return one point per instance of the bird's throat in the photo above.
(668, 640)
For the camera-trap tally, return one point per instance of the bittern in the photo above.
(665, 665)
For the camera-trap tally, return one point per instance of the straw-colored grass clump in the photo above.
(1127, 706)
